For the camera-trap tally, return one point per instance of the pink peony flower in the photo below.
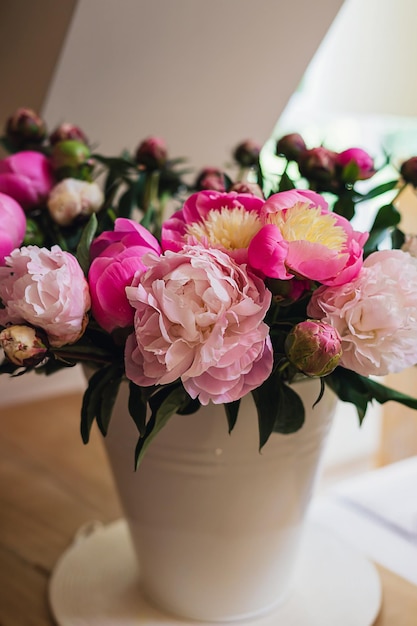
(117, 257)
(375, 314)
(199, 317)
(356, 164)
(302, 238)
(27, 177)
(47, 289)
(226, 221)
(72, 198)
(12, 226)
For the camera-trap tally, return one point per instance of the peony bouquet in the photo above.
(199, 289)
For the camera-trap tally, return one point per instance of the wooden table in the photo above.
(50, 485)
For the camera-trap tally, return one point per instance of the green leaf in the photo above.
(377, 191)
(285, 183)
(280, 409)
(359, 390)
(345, 207)
(176, 400)
(137, 407)
(96, 403)
(232, 411)
(387, 217)
(83, 248)
(108, 398)
(291, 412)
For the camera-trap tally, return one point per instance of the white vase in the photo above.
(216, 524)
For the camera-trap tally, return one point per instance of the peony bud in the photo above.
(68, 132)
(25, 127)
(409, 171)
(73, 198)
(355, 164)
(247, 153)
(152, 153)
(314, 347)
(24, 345)
(290, 146)
(252, 188)
(318, 165)
(69, 155)
(210, 179)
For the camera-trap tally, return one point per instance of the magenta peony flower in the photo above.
(302, 238)
(117, 257)
(199, 317)
(47, 289)
(375, 314)
(226, 221)
(72, 198)
(356, 164)
(314, 347)
(27, 177)
(12, 226)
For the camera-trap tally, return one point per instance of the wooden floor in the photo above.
(50, 485)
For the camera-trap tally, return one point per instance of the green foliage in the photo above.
(360, 391)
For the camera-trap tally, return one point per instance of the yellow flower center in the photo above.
(304, 223)
(229, 228)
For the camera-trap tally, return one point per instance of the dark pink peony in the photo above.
(117, 257)
(301, 237)
(12, 226)
(225, 221)
(27, 177)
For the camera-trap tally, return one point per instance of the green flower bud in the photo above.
(314, 348)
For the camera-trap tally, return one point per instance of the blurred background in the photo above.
(206, 75)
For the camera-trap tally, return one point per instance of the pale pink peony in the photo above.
(27, 177)
(199, 317)
(117, 257)
(72, 198)
(12, 225)
(301, 237)
(45, 288)
(375, 314)
(225, 221)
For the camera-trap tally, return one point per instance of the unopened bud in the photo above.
(251, 188)
(290, 146)
(69, 155)
(314, 347)
(318, 165)
(72, 198)
(409, 171)
(25, 127)
(210, 179)
(355, 164)
(67, 132)
(247, 153)
(152, 153)
(23, 345)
